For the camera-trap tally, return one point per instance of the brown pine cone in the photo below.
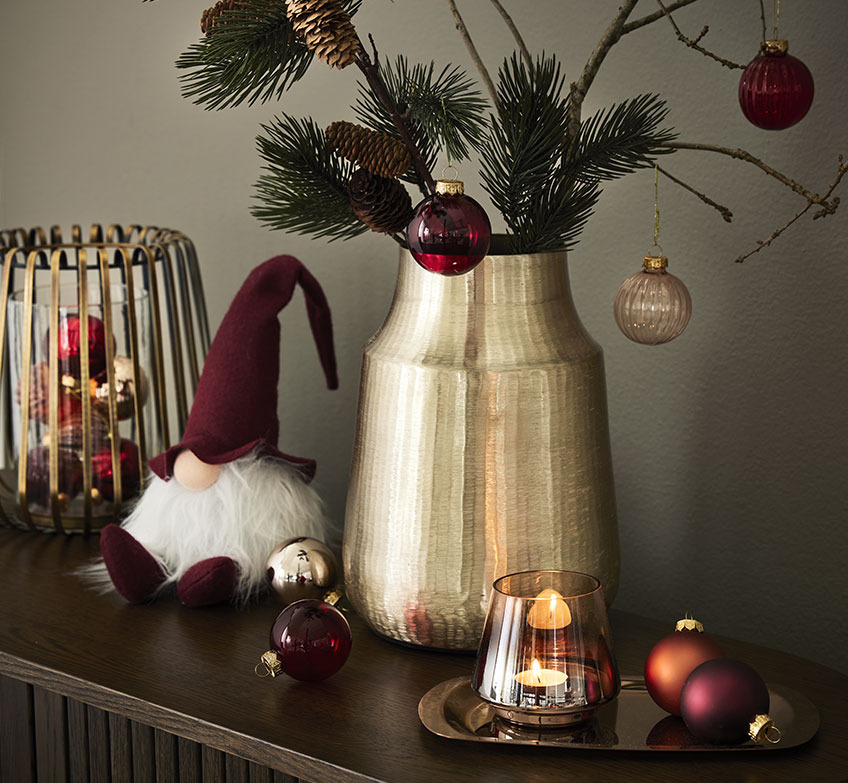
(212, 16)
(380, 154)
(382, 204)
(326, 29)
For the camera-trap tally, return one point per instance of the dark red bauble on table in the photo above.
(450, 232)
(103, 477)
(311, 639)
(721, 699)
(672, 660)
(776, 90)
(70, 345)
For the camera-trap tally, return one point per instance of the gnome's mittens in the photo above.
(211, 581)
(133, 570)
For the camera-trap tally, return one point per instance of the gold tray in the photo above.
(630, 722)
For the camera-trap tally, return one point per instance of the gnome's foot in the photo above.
(211, 581)
(132, 569)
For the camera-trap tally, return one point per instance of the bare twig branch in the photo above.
(726, 214)
(693, 43)
(740, 154)
(579, 88)
(373, 77)
(472, 50)
(637, 23)
(840, 173)
(522, 47)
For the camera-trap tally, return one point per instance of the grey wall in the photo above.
(729, 443)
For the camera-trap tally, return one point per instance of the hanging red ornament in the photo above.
(310, 640)
(653, 306)
(70, 341)
(672, 660)
(450, 232)
(103, 477)
(776, 89)
(725, 702)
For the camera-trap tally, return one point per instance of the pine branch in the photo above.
(252, 55)
(620, 139)
(305, 187)
(442, 112)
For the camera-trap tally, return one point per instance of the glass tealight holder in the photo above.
(545, 657)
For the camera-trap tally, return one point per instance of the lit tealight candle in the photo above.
(549, 611)
(537, 677)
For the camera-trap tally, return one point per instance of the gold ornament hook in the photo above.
(270, 663)
(455, 171)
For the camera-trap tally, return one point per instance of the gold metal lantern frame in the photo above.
(144, 283)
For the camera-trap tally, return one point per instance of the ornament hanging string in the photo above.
(657, 209)
(776, 19)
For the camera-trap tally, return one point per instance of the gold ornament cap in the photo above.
(776, 47)
(762, 729)
(655, 262)
(688, 624)
(450, 187)
(333, 597)
(269, 665)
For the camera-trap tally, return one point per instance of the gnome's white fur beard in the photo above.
(255, 504)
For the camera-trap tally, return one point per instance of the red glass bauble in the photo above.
(672, 660)
(450, 232)
(38, 475)
(776, 89)
(70, 340)
(721, 698)
(311, 638)
(103, 477)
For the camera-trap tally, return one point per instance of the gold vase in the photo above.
(482, 449)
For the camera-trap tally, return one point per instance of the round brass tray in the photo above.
(631, 722)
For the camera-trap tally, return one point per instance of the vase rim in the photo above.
(593, 580)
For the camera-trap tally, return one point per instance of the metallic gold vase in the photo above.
(482, 449)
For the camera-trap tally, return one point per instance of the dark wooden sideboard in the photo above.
(94, 689)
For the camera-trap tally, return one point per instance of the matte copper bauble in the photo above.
(301, 568)
(672, 660)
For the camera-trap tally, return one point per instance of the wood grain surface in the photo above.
(189, 672)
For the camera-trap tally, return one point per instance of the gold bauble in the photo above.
(301, 568)
(125, 390)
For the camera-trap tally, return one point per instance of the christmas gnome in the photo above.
(220, 500)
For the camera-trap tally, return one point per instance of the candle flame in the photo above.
(536, 668)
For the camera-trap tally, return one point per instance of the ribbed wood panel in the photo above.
(47, 738)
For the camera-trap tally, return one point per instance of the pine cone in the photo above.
(380, 154)
(212, 16)
(326, 29)
(382, 204)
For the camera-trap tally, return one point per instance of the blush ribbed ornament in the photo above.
(776, 89)
(652, 306)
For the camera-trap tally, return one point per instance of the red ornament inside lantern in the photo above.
(673, 658)
(450, 232)
(776, 89)
(103, 477)
(70, 341)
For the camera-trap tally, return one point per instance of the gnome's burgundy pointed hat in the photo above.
(235, 406)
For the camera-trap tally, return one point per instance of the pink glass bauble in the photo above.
(776, 89)
(720, 700)
(311, 638)
(70, 341)
(652, 306)
(671, 660)
(103, 477)
(450, 232)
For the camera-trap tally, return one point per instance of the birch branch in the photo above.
(522, 47)
(637, 23)
(726, 214)
(472, 50)
(694, 43)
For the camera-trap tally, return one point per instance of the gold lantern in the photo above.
(101, 344)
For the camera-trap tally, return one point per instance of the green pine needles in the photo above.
(544, 183)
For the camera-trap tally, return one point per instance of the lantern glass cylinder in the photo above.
(545, 657)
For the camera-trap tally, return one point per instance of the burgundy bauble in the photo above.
(103, 476)
(720, 700)
(450, 232)
(672, 660)
(38, 475)
(311, 638)
(70, 342)
(776, 89)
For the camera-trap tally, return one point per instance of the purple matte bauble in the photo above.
(311, 638)
(720, 699)
(449, 234)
